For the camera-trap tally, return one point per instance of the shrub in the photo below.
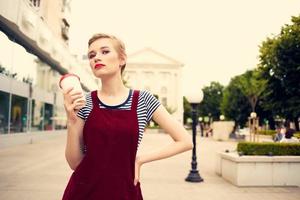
(269, 148)
(297, 135)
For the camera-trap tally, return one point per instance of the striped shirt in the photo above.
(146, 106)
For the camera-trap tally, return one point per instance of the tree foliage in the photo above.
(211, 100)
(252, 86)
(187, 110)
(280, 65)
(233, 104)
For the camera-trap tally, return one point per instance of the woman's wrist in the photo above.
(71, 120)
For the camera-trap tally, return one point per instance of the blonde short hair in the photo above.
(118, 44)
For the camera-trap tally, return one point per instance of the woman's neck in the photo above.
(113, 86)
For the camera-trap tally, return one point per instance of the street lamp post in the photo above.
(194, 99)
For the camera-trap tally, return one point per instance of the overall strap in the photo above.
(95, 99)
(135, 99)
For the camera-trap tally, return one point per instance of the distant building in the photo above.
(161, 75)
(33, 55)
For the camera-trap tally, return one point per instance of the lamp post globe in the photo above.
(194, 98)
(222, 117)
(253, 115)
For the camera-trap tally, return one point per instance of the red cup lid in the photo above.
(65, 76)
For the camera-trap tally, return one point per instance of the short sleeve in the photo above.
(151, 103)
(84, 112)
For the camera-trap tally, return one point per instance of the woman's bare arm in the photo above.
(73, 152)
(182, 140)
(74, 145)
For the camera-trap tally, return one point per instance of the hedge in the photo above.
(297, 135)
(268, 148)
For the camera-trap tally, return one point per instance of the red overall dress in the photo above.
(107, 169)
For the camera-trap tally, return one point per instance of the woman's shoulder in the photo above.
(143, 92)
(147, 98)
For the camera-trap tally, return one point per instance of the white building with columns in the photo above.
(159, 74)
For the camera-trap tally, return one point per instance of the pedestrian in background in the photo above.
(280, 134)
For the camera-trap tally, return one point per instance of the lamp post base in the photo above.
(194, 176)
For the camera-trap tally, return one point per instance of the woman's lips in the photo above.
(97, 66)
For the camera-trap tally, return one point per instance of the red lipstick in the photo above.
(98, 65)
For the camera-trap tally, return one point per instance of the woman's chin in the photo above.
(102, 74)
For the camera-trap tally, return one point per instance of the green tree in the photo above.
(252, 85)
(187, 110)
(280, 65)
(233, 104)
(211, 100)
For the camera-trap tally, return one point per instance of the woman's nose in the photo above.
(97, 57)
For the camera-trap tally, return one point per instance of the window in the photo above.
(163, 90)
(65, 29)
(18, 119)
(35, 3)
(164, 101)
(37, 114)
(4, 110)
(60, 118)
(48, 116)
(165, 75)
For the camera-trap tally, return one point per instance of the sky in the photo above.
(215, 39)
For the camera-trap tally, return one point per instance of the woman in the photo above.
(104, 135)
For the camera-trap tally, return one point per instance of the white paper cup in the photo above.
(68, 81)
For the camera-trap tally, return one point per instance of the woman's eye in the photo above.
(91, 56)
(105, 52)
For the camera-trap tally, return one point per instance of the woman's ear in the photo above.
(123, 59)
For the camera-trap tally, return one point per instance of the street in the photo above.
(39, 171)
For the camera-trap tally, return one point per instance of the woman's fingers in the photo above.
(76, 96)
(71, 97)
(79, 104)
(67, 91)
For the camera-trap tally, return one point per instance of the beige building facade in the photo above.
(34, 53)
(159, 74)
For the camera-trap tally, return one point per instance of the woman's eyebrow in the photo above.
(104, 47)
(91, 52)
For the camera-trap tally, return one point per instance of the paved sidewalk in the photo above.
(39, 172)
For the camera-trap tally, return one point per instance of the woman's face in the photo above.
(104, 59)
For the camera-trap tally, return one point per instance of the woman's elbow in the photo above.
(73, 165)
(189, 145)
(72, 162)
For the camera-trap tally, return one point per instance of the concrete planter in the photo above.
(222, 130)
(259, 170)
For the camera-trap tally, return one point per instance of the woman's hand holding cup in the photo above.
(72, 101)
(74, 98)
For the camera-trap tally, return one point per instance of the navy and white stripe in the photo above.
(147, 104)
